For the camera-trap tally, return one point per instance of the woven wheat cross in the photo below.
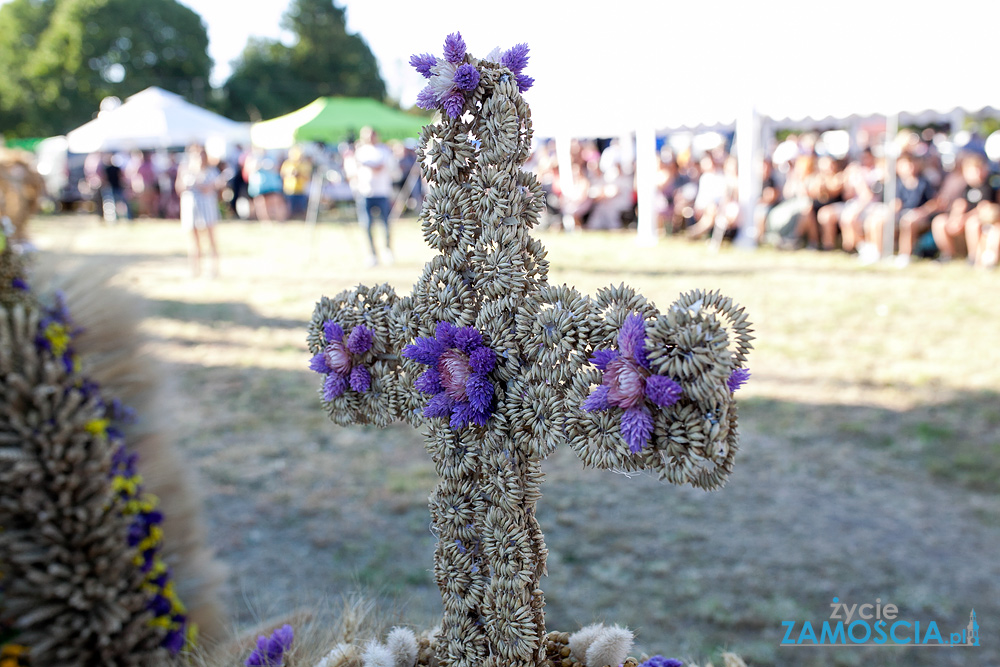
(499, 367)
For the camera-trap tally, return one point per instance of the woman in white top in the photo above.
(198, 184)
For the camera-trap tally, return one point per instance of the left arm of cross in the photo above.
(356, 340)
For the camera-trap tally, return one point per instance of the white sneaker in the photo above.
(372, 261)
(901, 261)
(867, 253)
(387, 256)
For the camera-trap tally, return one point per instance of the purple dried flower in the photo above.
(454, 48)
(601, 358)
(270, 651)
(524, 82)
(332, 331)
(339, 361)
(457, 378)
(424, 351)
(466, 77)
(660, 661)
(361, 379)
(662, 390)
(319, 363)
(429, 382)
(445, 333)
(18, 283)
(338, 358)
(427, 98)
(423, 63)
(462, 414)
(482, 360)
(637, 426)
(360, 340)
(174, 641)
(598, 400)
(515, 58)
(628, 383)
(480, 392)
(333, 386)
(468, 339)
(737, 378)
(454, 104)
(632, 335)
(439, 405)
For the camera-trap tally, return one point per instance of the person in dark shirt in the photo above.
(113, 191)
(950, 229)
(912, 192)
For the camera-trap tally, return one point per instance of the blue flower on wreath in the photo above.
(628, 383)
(339, 361)
(457, 378)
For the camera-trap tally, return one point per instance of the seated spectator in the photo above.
(915, 225)
(950, 231)
(825, 188)
(864, 185)
(912, 192)
(612, 200)
(669, 180)
(987, 249)
(711, 195)
(784, 226)
(575, 201)
(770, 196)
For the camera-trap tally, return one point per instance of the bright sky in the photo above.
(623, 62)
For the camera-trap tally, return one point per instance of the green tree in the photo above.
(270, 79)
(22, 22)
(70, 54)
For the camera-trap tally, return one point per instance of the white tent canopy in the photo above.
(666, 66)
(155, 118)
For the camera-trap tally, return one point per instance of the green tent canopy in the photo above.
(333, 119)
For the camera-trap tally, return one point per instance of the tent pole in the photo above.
(564, 158)
(646, 167)
(748, 157)
(312, 209)
(404, 194)
(889, 188)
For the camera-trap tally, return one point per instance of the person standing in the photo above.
(373, 187)
(296, 176)
(198, 186)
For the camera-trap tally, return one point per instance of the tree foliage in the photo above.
(60, 58)
(270, 79)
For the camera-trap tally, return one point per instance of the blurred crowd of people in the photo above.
(946, 203)
(253, 184)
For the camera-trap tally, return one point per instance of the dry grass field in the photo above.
(870, 464)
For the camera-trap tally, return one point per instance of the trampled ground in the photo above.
(870, 464)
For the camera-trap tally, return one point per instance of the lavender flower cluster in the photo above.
(451, 79)
(457, 378)
(340, 361)
(628, 383)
